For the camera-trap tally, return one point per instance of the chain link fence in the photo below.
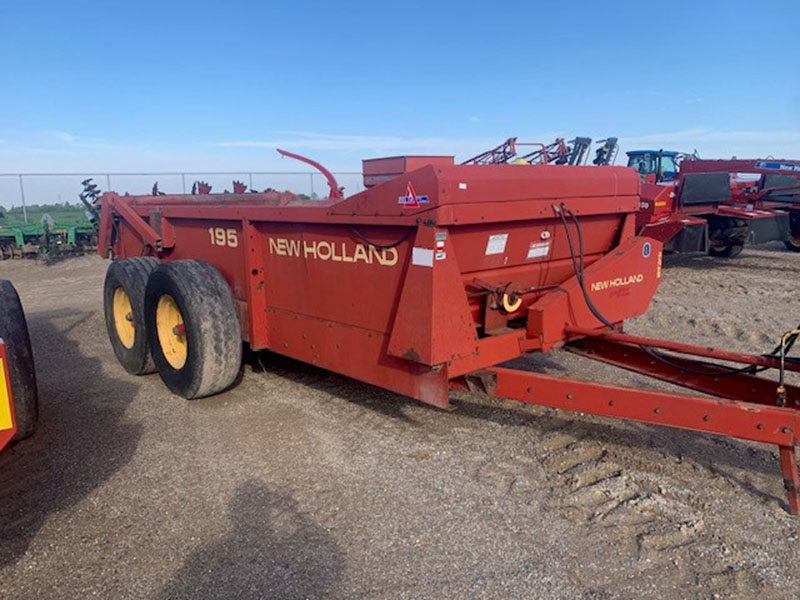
(26, 189)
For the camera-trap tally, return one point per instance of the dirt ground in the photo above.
(303, 484)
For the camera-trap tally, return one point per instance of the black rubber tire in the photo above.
(212, 330)
(726, 252)
(793, 244)
(131, 274)
(14, 331)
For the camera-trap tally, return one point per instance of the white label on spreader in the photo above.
(441, 255)
(462, 186)
(422, 257)
(496, 244)
(538, 249)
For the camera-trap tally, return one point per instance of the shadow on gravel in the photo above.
(80, 441)
(674, 444)
(353, 391)
(712, 452)
(272, 551)
(703, 262)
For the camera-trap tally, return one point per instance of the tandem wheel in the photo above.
(123, 300)
(192, 328)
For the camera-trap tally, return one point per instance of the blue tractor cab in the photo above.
(662, 163)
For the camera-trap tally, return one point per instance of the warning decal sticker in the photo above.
(496, 244)
(538, 249)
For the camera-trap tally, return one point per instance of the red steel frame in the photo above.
(421, 328)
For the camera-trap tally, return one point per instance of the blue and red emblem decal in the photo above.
(411, 200)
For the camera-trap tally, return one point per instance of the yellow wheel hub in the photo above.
(171, 332)
(123, 317)
(794, 241)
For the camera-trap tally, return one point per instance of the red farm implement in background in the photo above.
(760, 185)
(695, 205)
(425, 282)
(559, 152)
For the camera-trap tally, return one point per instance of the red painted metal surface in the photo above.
(378, 170)
(685, 372)
(742, 165)
(335, 189)
(419, 298)
(705, 351)
(383, 292)
(743, 420)
(661, 216)
(791, 479)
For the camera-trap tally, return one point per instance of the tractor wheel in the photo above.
(726, 251)
(192, 327)
(727, 236)
(123, 300)
(792, 243)
(14, 331)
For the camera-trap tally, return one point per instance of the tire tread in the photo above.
(14, 331)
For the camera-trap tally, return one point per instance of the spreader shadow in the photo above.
(80, 440)
(674, 444)
(272, 550)
(352, 391)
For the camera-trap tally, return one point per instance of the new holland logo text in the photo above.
(617, 282)
(334, 251)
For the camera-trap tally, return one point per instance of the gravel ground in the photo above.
(303, 484)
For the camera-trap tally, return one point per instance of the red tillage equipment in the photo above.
(424, 283)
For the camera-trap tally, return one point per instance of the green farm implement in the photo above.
(69, 232)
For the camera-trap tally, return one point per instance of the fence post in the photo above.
(108, 182)
(183, 182)
(22, 195)
(311, 177)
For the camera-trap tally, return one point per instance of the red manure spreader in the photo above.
(425, 282)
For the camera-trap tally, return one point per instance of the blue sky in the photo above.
(130, 86)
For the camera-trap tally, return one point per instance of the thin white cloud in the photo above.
(60, 135)
(717, 143)
(307, 141)
(474, 119)
(334, 147)
(711, 135)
